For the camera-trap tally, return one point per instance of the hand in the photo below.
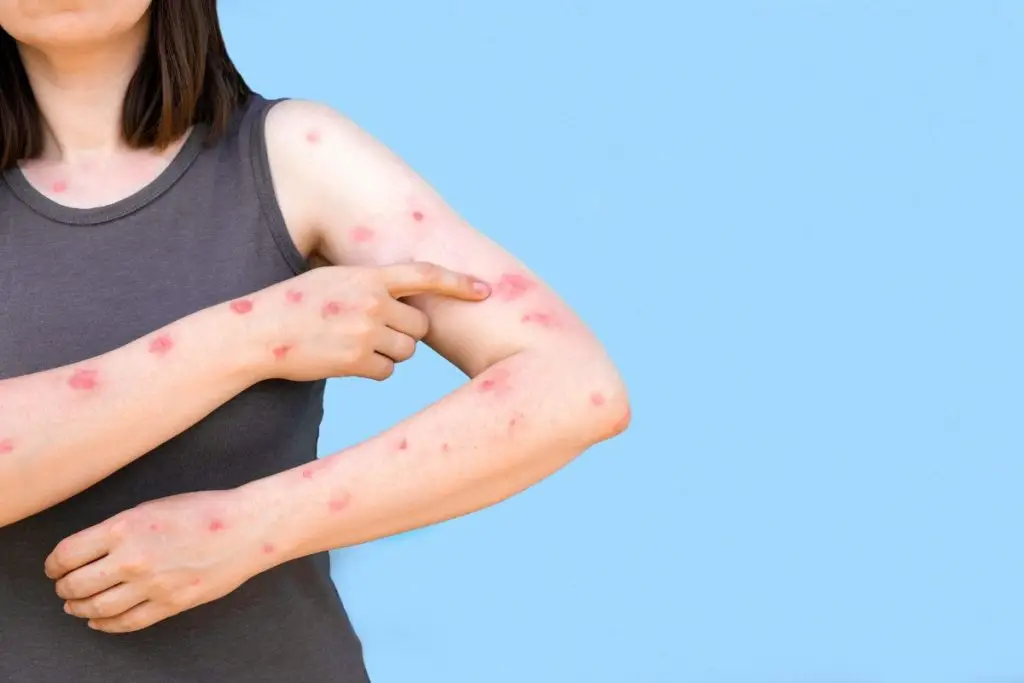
(158, 559)
(343, 321)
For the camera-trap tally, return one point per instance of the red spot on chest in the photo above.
(6, 446)
(281, 351)
(242, 306)
(161, 345)
(84, 380)
(512, 286)
(60, 186)
(361, 233)
(216, 525)
(294, 296)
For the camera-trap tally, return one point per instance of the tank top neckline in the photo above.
(44, 206)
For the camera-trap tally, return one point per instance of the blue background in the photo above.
(797, 225)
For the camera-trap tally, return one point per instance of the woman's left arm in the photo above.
(542, 390)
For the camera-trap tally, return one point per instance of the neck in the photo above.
(80, 92)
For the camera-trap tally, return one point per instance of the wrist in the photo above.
(270, 510)
(238, 345)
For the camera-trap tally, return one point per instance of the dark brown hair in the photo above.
(185, 77)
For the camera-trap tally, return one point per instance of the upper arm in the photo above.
(355, 203)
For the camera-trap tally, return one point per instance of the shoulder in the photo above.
(315, 153)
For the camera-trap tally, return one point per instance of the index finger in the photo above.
(76, 551)
(408, 279)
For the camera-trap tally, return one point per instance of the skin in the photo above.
(347, 201)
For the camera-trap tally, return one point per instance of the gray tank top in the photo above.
(75, 283)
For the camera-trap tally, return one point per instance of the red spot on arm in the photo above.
(310, 470)
(84, 380)
(242, 306)
(496, 382)
(361, 233)
(60, 186)
(445, 447)
(6, 446)
(597, 398)
(339, 502)
(281, 351)
(418, 216)
(195, 581)
(332, 308)
(313, 137)
(294, 296)
(403, 444)
(154, 527)
(216, 525)
(268, 548)
(161, 344)
(538, 318)
(512, 286)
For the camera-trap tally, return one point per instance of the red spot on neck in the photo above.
(216, 525)
(6, 446)
(242, 306)
(418, 216)
(512, 286)
(281, 351)
(60, 186)
(597, 398)
(161, 345)
(84, 380)
(294, 296)
(361, 233)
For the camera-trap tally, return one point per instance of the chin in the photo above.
(55, 24)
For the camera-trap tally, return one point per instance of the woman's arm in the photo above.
(543, 389)
(64, 429)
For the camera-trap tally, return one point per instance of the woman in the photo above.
(163, 346)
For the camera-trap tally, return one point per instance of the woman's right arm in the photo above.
(64, 429)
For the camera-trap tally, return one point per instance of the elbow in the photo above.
(604, 409)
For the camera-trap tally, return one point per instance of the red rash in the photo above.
(417, 216)
(161, 345)
(154, 527)
(445, 447)
(294, 296)
(512, 286)
(313, 136)
(196, 582)
(361, 233)
(6, 446)
(338, 504)
(216, 525)
(496, 382)
(60, 186)
(542, 319)
(332, 308)
(310, 470)
(597, 398)
(403, 444)
(268, 548)
(84, 380)
(242, 306)
(281, 351)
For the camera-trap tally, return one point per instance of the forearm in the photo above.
(64, 429)
(518, 422)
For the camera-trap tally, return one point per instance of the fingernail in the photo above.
(67, 608)
(481, 287)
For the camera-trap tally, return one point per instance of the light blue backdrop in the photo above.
(797, 225)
